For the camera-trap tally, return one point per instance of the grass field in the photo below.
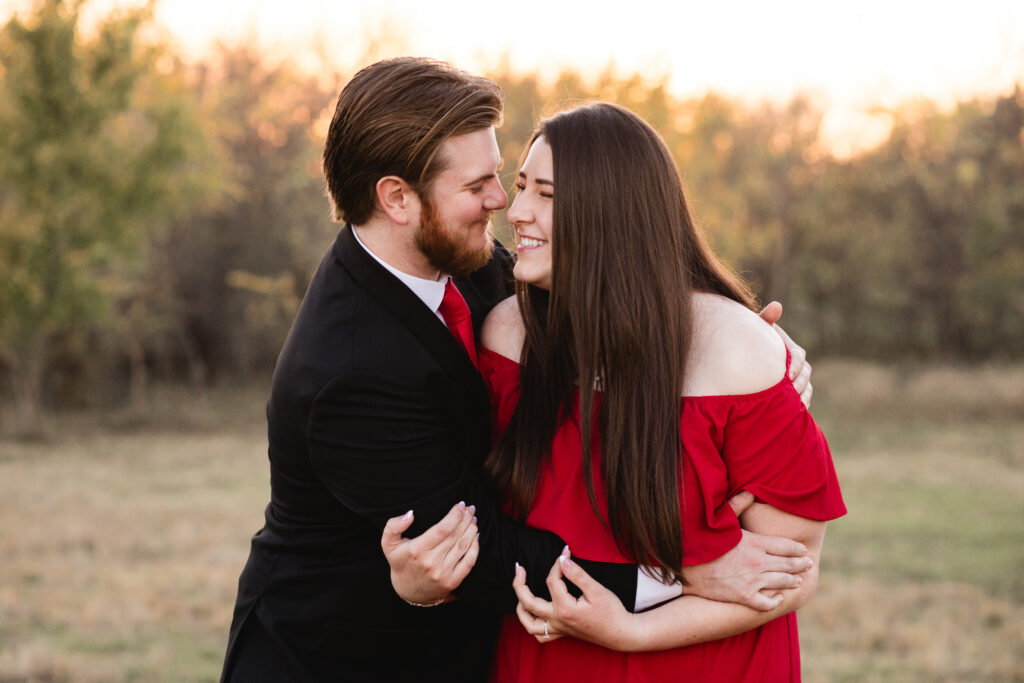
(122, 536)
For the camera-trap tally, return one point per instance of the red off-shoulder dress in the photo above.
(765, 442)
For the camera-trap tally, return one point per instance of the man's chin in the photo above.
(456, 257)
(471, 261)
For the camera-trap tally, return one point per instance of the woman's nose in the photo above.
(516, 213)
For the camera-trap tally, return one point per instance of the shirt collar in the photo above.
(430, 292)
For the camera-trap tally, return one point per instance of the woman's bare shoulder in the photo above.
(503, 331)
(734, 350)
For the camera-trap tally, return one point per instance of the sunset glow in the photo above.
(851, 59)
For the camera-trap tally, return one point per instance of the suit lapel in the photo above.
(410, 310)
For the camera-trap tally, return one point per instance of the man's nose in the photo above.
(497, 199)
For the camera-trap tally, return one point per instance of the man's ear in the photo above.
(398, 200)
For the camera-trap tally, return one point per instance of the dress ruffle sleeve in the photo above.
(766, 443)
(773, 448)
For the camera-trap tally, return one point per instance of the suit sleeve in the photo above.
(382, 449)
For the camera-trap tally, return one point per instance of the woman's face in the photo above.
(530, 215)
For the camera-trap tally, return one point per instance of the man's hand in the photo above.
(799, 368)
(427, 568)
(754, 571)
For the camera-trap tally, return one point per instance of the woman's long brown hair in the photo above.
(626, 257)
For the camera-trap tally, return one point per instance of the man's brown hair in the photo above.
(391, 119)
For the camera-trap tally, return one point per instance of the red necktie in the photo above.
(456, 315)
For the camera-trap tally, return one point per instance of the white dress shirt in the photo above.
(430, 292)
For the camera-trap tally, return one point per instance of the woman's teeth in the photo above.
(530, 242)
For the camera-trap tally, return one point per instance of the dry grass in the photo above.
(122, 553)
(924, 579)
(122, 543)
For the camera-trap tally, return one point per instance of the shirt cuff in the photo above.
(650, 591)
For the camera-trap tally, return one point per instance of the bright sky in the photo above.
(850, 56)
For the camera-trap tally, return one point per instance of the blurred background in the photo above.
(161, 211)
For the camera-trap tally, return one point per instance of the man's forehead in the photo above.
(471, 155)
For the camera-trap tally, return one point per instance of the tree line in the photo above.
(159, 219)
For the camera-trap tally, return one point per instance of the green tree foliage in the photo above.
(92, 147)
(171, 215)
(921, 241)
(238, 269)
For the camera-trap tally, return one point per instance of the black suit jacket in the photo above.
(375, 410)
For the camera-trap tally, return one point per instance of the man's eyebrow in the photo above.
(539, 181)
(487, 176)
(484, 178)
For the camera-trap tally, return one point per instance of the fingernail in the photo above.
(565, 561)
(407, 516)
(799, 581)
(472, 509)
(462, 505)
(810, 563)
(474, 519)
(517, 568)
(565, 551)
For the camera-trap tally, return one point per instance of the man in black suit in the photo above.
(377, 409)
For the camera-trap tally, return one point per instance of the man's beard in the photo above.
(445, 251)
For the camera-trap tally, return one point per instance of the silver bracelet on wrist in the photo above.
(421, 604)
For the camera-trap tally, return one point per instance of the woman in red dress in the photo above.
(635, 391)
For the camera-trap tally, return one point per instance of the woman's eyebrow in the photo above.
(539, 181)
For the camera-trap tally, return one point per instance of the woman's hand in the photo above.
(426, 569)
(596, 616)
